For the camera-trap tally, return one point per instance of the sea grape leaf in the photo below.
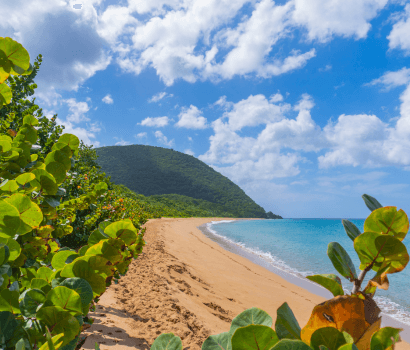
(385, 338)
(45, 273)
(95, 237)
(103, 248)
(15, 52)
(5, 94)
(383, 249)
(4, 252)
(32, 300)
(83, 270)
(82, 287)
(61, 146)
(9, 301)
(25, 178)
(254, 337)
(13, 247)
(341, 261)
(56, 342)
(83, 250)
(330, 281)
(329, 337)
(167, 341)
(60, 258)
(346, 313)
(220, 341)
(351, 229)
(29, 212)
(59, 157)
(40, 283)
(286, 325)
(71, 140)
(291, 344)
(30, 120)
(60, 321)
(45, 181)
(58, 170)
(365, 339)
(389, 221)
(9, 219)
(371, 202)
(251, 316)
(122, 229)
(102, 226)
(65, 298)
(8, 325)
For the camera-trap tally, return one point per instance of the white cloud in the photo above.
(141, 135)
(326, 68)
(399, 35)
(157, 122)
(159, 96)
(190, 138)
(189, 151)
(87, 136)
(393, 79)
(324, 19)
(121, 142)
(276, 98)
(191, 118)
(108, 99)
(77, 110)
(163, 139)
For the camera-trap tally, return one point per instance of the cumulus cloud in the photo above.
(121, 142)
(108, 99)
(141, 135)
(189, 151)
(325, 19)
(393, 79)
(159, 96)
(161, 138)
(77, 110)
(157, 122)
(399, 35)
(191, 118)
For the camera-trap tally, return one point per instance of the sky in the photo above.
(305, 104)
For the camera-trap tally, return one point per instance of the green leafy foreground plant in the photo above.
(346, 322)
(46, 290)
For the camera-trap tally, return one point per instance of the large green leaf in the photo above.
(60, 258)
(330, 337)
(15, 52)
(29, 212)
(95, 237)
(122, 229)
(40, 283)
(45, 181)
(32, 300)
(5, 146)
(286, 325)
(251, 316)
(167, 341)
(25, 178)
(103, 248)
(254, 337)
(9, 301)
(351, 229)
(27, 133)
(60, 321)
(65, 298)
(220, 341)
(384, 338)
(13, 247)
(9, 219)
(8, 325)
(341, 261)
(4, 252)
(291, 344)
(45, 273)
(389, 221)
(71, 140)
(5, 94)
(371, 202)
(330, 281)
(58, 170)
(350, 346)
(383, 249)
(82, 287)
(58, 157)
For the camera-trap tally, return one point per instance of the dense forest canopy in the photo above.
(157, 171)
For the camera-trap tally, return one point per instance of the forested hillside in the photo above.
(157, 171)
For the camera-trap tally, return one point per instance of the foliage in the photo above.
(346, 322)
(46, 289)
(152, 170)
(252, 329)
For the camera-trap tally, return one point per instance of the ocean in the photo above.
(298, 247)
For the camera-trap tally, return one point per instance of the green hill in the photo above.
(162, 172)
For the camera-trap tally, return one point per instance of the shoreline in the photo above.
(314, 288)
(187, 284)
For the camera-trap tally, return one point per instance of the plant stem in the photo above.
(358, 282)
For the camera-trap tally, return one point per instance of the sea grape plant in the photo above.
(47, 290)
(346, 322)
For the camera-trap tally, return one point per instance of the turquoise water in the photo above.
(299, 246)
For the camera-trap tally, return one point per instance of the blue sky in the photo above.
(305, 104)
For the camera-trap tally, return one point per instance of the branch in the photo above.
(358, 282)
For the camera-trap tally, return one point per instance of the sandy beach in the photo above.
(187, 284)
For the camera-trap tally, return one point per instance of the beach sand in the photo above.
(187, 284)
